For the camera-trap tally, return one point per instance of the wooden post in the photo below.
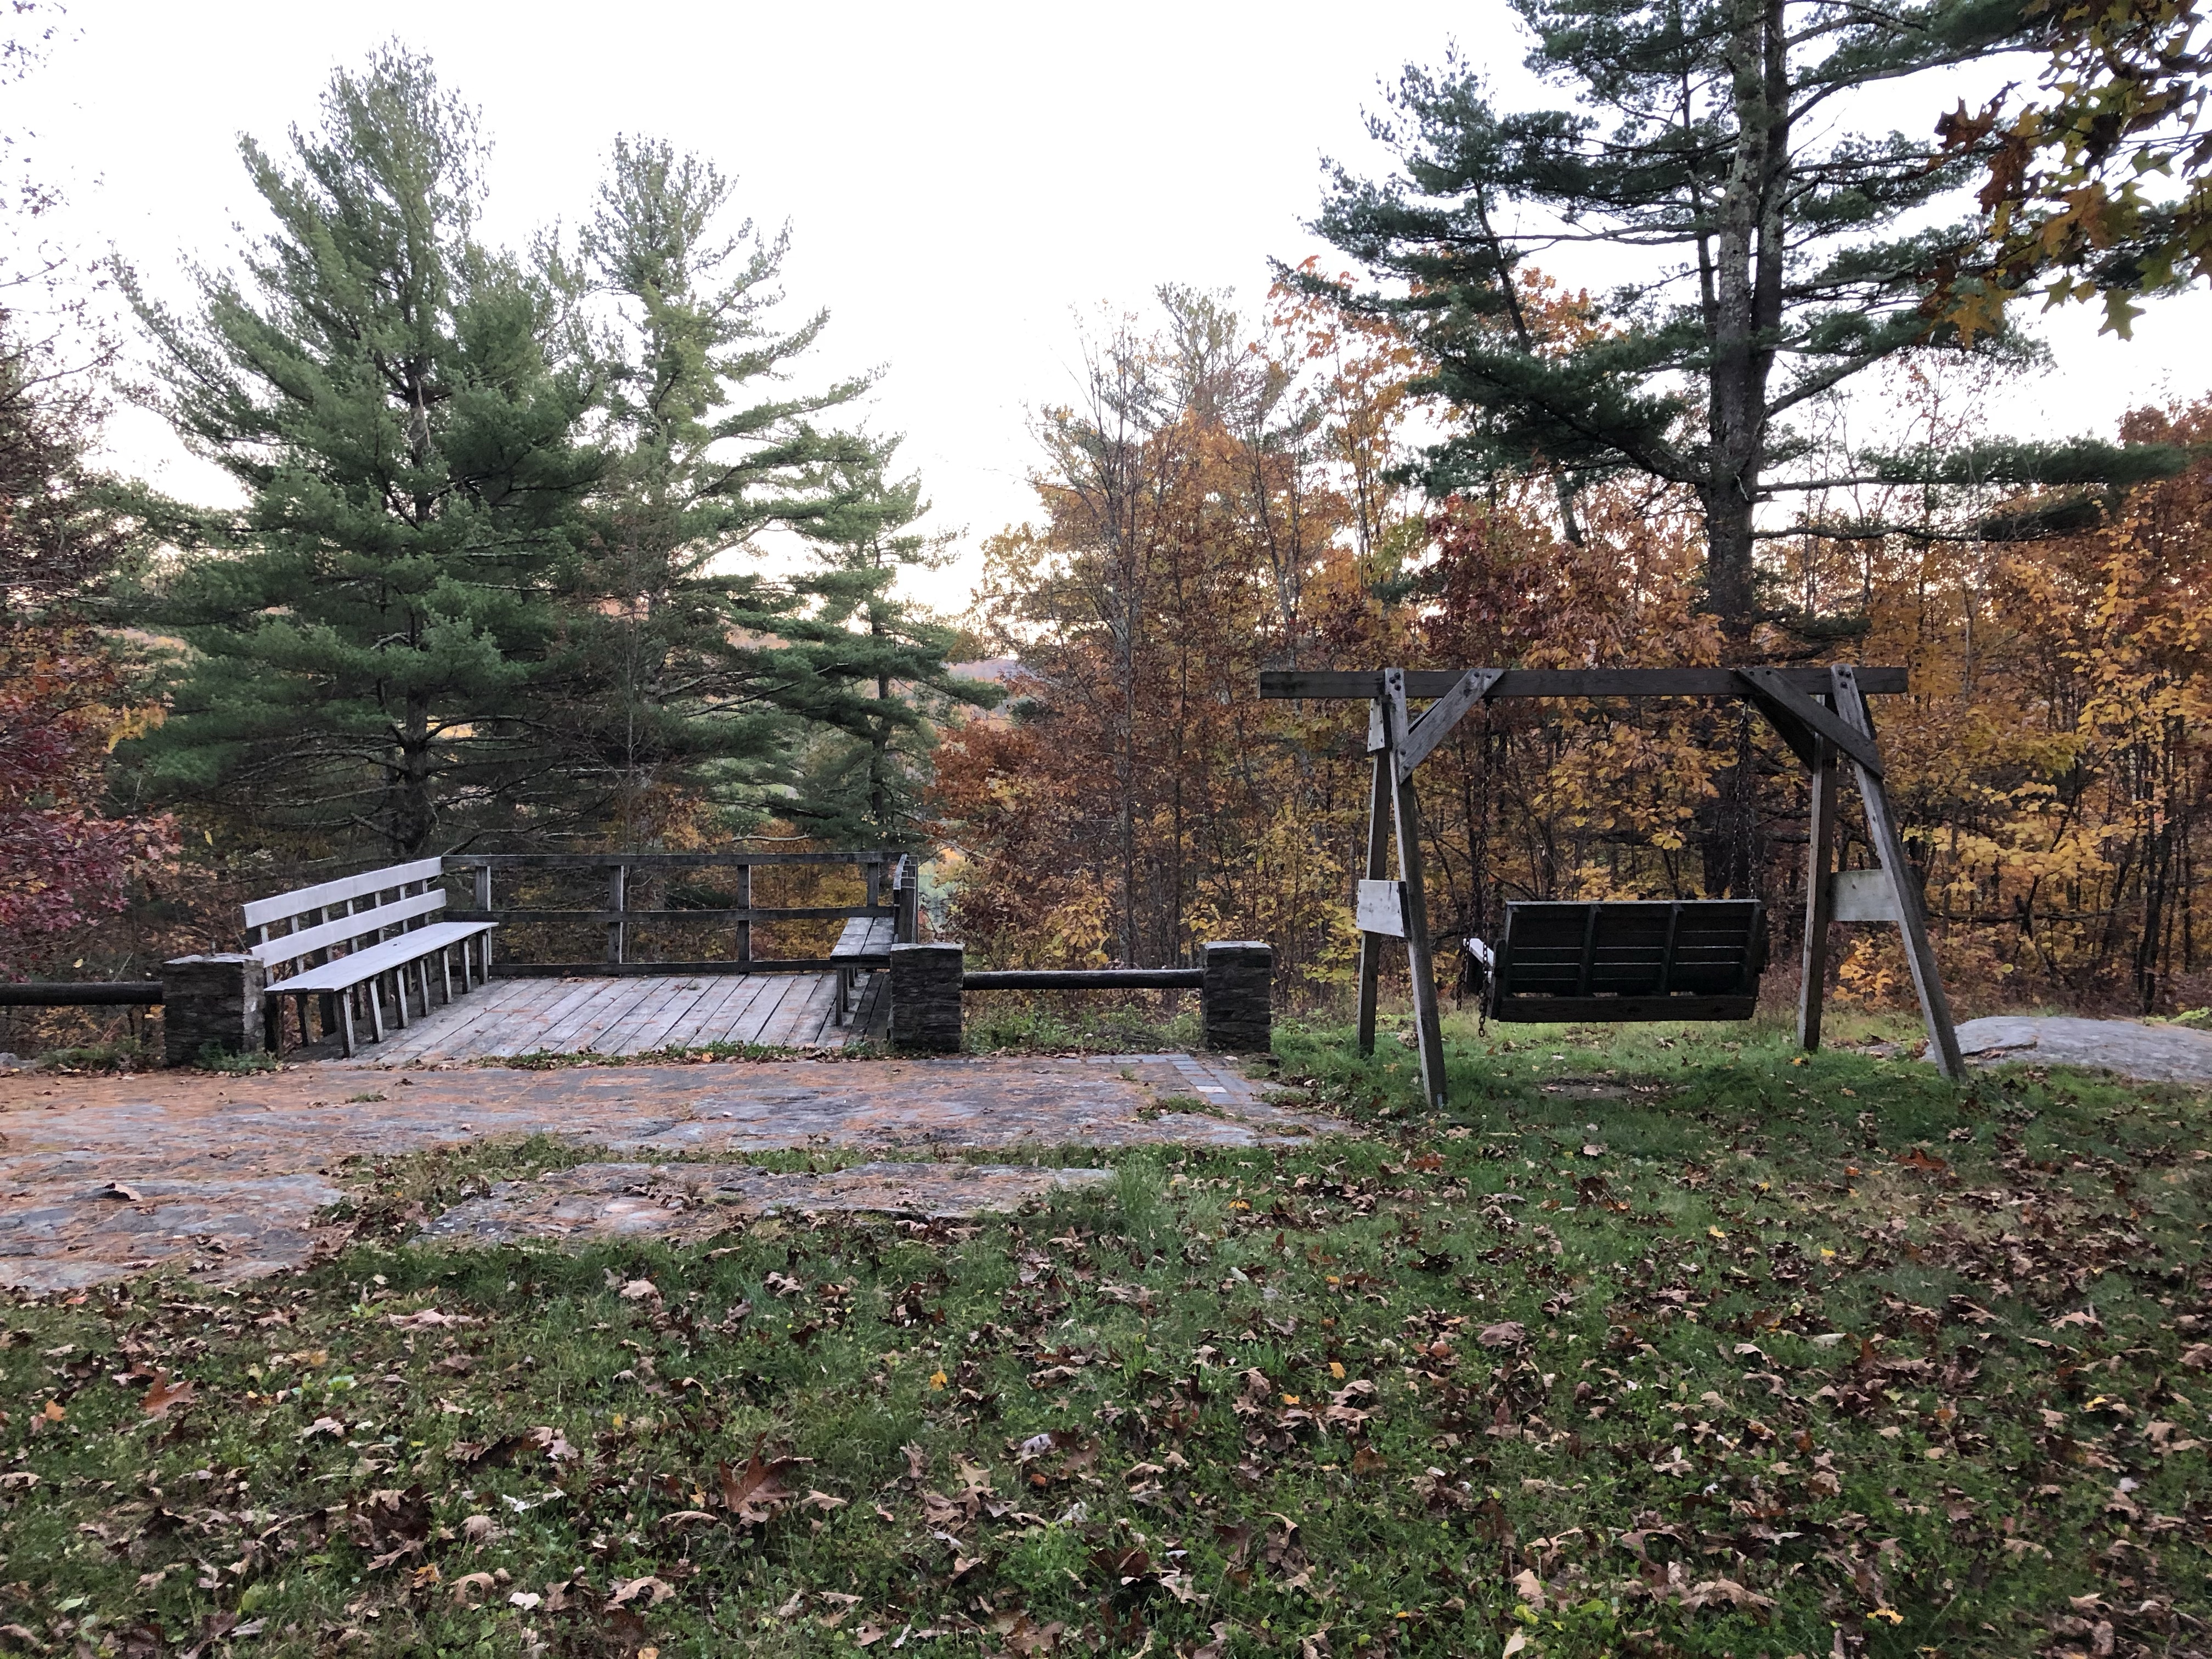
(1378, 866)
(1427, 1018)
(483, 903)
(617, 890)
(1819, 896)
(744, 902)
(1911, 911)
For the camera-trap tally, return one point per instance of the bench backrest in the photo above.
(1694, 947)
(335, 916)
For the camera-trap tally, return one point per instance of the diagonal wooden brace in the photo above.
(1436, 722)
(1773, 693)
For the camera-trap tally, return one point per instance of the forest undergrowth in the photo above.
(1658, 1341)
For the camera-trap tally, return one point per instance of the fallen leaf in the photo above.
(655, 1590)
(117, 1189)
(1507, 1334)
(525, 1599)
(755, 1492)
(470, 1587)
(641, 1289)
(167, 1391)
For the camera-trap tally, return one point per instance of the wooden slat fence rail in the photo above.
(892, 890)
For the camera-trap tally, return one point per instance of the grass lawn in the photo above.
(1657, 1343)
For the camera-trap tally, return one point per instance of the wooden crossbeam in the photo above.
(1345, 685)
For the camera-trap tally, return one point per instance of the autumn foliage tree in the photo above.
(65, 695)
(1200, 518)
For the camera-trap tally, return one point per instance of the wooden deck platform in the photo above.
(637, 1014)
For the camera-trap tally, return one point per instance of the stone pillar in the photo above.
(211, 999)
(926, 998)
(1238, 996)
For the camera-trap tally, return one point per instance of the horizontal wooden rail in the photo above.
(756, 913)
(81, 993)
(649, 860)
(612, 970)
(1082, 979)
(1361, 683)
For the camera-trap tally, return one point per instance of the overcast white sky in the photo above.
(962, 181)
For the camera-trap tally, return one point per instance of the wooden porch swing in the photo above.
(1618, 961)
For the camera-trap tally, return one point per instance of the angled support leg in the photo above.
(1427, 1019)
(345, 1024)
(1911, 910)
(1819, 896)
(375, 1011)
(1379, 809)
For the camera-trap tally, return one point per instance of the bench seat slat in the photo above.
(348, 971)
(290, 947)
(868, 937)
(302, 901)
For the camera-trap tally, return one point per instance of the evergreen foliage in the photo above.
(1785, 251)
(527, 551)
(364, 636)
(703, 661)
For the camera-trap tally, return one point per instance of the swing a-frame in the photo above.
(1618, 961)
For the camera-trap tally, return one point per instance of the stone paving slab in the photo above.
(230, 1170)
(689, 1203)
(2151, 1054)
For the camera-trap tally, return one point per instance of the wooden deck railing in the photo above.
(893, 890)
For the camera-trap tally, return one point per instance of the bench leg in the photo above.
(446, 972)
(423, 984)
(300, 1006)
(399, 997)
(272, 1024)
(330, 1015)
(375, 1011)
(345, 1022)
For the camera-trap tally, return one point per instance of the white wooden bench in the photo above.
(321, 942)
(866, 942)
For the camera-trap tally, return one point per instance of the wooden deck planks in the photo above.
(639, 1014)
(732, 1018)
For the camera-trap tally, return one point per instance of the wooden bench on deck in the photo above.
(866, 942)
(1686, 960)
(318, 942)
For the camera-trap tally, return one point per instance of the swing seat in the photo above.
(1611, 963)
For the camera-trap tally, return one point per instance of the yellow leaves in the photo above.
(938, 1379)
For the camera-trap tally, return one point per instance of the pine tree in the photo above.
(863, 776)
(716, 657)
(366, 638)
(1712, 145)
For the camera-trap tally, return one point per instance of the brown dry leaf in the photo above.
(655, 1590)
(480, 1529)
(1506, 1333)
(869, 1635)
(641, 1289)
(428, 1319)
(755, 1492)
(470, 1588)
(168, 1391)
